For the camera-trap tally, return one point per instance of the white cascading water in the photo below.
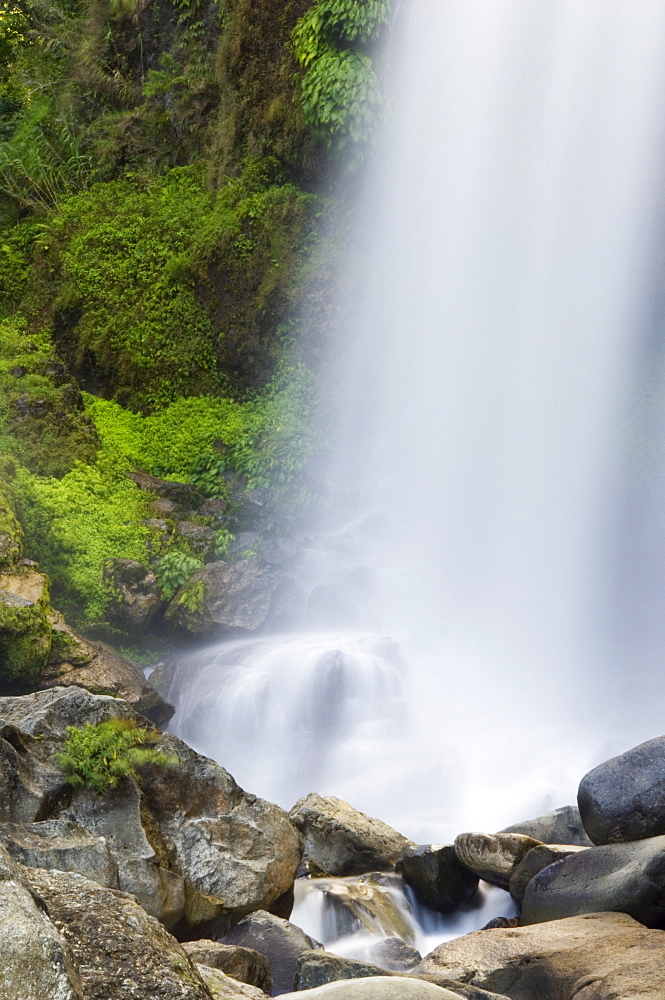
(492, 610)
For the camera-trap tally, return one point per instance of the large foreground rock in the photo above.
(627, 878)
(344, 841)
(437, 878)
(624, 798)
(224, 597)
(280, 940)
(599, 956)
(36, 962)
(492, 857)
(120, 952)
(397, 988)
(559, 826)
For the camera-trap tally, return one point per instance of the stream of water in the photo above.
(495, 621)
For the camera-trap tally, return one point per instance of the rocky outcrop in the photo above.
(437, 878)
(492, 857)
(624, 798)
(99, 668)
(533, 862)
(593, 957)
(344, 841)
(119, 951)
(36, 962)
(224, 597)
(280, 940)
(627, 878)
(244, 964)
(560, 826)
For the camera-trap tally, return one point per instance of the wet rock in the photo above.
(533, 862)
(61, 844)
(437, 878)
(182, 494)
(244, 964)
(492, 857)
(236, 852)
(25, 630)
(395, 954)
(137, 595)
(224, 597)
(624, 798)
(121, 953)
(344, 841)
(36, 962)
(223, 987)
(626, 878)
(560, 826)
(593, 957)
(316, 968)
(280, 940)
(99, 668)
(365, 905)
(389, 988)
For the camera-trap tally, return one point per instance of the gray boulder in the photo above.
(280, 940)
(397, 988)
(61, 844)
(492, 857)
(394, 954)
(120, 952)
(344, 841)
(223, 987)
(224, 597)
(36, 963)
(316, 968)
(244, 964)
(625, 878)
(624, 798)
(535, 861)
(598, 956)
(437, 878)
(560, 826)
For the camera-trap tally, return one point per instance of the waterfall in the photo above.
(491, 606)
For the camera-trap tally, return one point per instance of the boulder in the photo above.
(492, 857)
(599, 956)
(36, 963)
(280, 940)
(223, 987)
(244, 964)
(99, 668)
(560, 826)
(236, 852)
(533, 862)
(316, 968)
(626, 878)
(61, 844)
(200, 539)
(624, 798)
(137, 595)
(25, 630)
(121, 953)
(344, 841)
(437, 878)
(224, 597)
(30, 786)
(394, 954)
(390, 988)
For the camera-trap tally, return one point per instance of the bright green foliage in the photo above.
(174, 569)
(100, 756)
(341, 93)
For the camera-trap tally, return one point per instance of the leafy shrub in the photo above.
(174, 569)
(100, 756)
(340, 92)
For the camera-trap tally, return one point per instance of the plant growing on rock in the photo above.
(174, 569)
(100, 756)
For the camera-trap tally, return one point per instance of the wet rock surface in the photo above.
(437, 877)
(344, 841)
(624, 797)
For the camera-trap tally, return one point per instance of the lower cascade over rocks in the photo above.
(437, 877)
(492, 857)
(627, 878)
(280, 940)
(343, 841)
(624, 797)
(598, 956)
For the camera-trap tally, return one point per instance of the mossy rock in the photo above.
(25, 628)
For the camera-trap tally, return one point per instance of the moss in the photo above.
(25, 632)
